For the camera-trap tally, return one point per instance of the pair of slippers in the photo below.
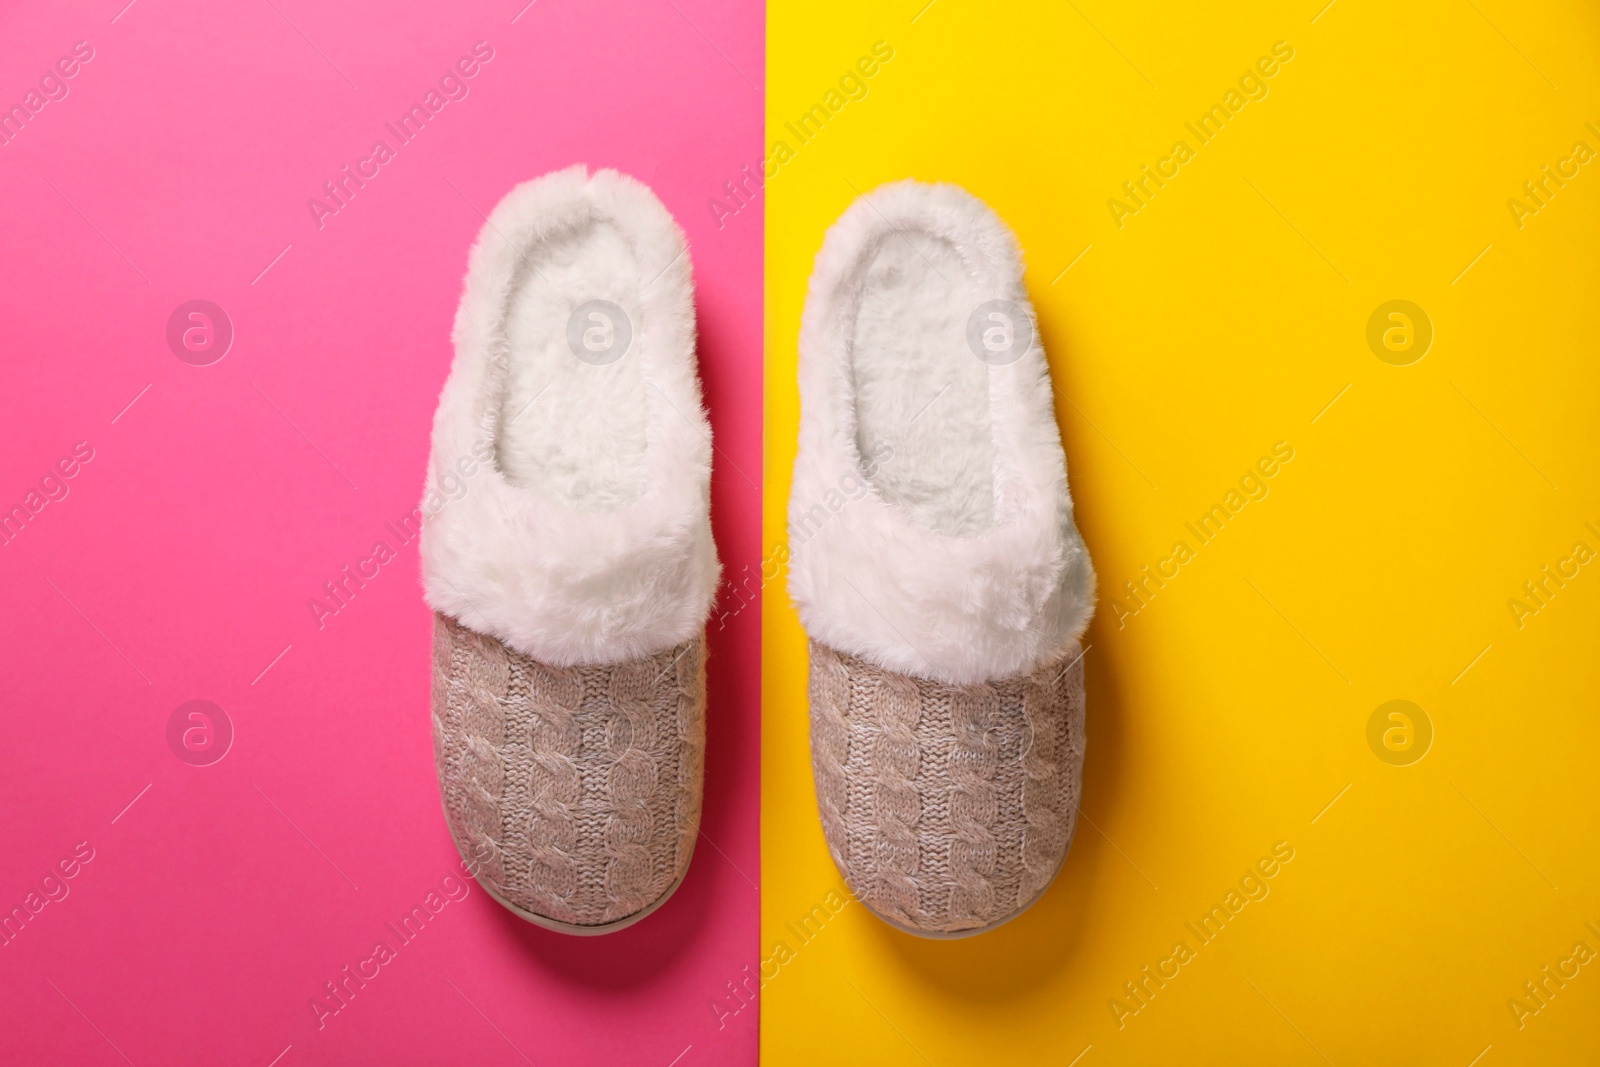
(568, 558)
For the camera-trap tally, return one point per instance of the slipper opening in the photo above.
(919, 388)
(572, 413)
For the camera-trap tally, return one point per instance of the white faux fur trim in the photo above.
(868, 577)
(569, 584)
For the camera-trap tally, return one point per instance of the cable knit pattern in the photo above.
(974, 807)
(572, 792)
(896, 801)
(947, 809)
(555, 789)
(689, 730)
(629, 737)
(1052, 762)
(469, 740)
(830, 701)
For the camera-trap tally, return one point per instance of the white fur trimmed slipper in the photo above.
(567, 554)
(936, 567)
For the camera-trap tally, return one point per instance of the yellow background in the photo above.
(1224, 317)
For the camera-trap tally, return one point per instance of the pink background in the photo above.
(183, 556)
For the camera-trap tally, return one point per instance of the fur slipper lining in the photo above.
(954, 562)
(573, 527)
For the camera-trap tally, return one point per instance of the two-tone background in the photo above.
(1372, 669)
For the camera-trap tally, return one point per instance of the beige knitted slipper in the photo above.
(948, 809)
(936, 567)
(573, 793)
(567, 554)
